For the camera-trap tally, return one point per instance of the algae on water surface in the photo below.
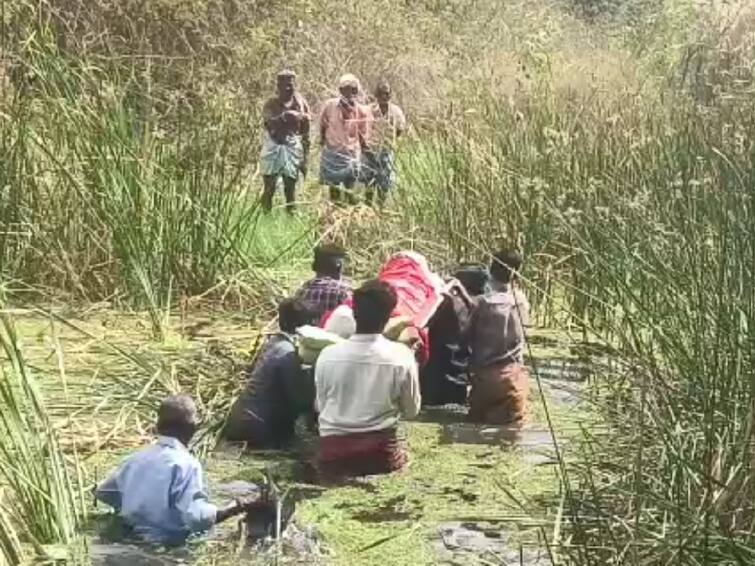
(462, 498)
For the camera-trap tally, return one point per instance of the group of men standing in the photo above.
(357, 141)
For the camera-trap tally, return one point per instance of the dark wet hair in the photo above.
(383, 85)
(292, 314)
(373, 304)
(505, 265)
(177, 416)
(329, 259)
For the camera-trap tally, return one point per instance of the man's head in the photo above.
(292, 314)
(505, 266)
(286, 83)
(373, 304)
(329, 261)
(383, 92)
(177, 417)
(349, 87)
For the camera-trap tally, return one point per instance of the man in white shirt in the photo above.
(364, 385)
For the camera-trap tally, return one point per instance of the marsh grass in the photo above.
(41, 501)
(118, 208)
(103, 401)
(643, 217)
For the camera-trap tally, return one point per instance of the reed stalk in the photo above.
(37, 480)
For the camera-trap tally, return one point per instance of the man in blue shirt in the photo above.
(159, 491)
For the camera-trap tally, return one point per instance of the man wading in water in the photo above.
(285, 147)
(363, 387)
(379, 167)
(500, 382)
(277, 390)
(159, 491)
(327, 289)
(344, 133)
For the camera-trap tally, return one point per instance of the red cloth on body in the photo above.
(419, 295)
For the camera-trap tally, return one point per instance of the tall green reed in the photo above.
(638, 219)
(11, 549)
(120, 206)
(41, 500)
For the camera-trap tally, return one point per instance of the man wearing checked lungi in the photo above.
(344, 135)
(285, 145)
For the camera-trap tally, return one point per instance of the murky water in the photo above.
(535, 444)
(120, 554)
(454, 542)
(561, 369)
(561, 382)
(479, 542)
(469, 543)
(561, 391)
(297, 544)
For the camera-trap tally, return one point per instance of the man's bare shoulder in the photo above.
(365, 109)
(302, 101)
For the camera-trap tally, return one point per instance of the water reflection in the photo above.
(119, 554)
(466, 543)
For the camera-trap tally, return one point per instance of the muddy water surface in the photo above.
(504, 540)
(478, 542)
(446, 509)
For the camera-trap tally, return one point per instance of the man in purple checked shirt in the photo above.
(327, 289)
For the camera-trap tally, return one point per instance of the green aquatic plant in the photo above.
(40, 483)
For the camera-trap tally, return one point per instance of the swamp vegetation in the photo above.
(611, 141)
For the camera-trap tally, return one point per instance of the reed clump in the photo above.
(42, 506)
(637, 205)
